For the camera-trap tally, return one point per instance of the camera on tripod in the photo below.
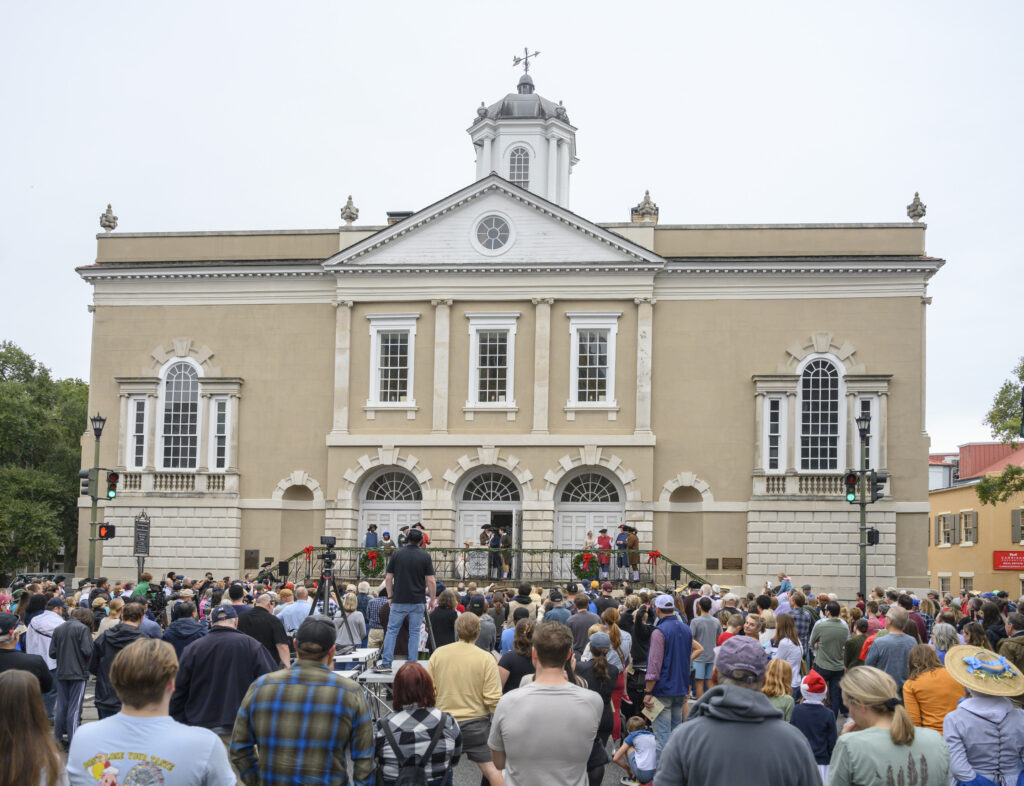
(328, 556)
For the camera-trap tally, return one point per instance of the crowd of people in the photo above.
(205, 681)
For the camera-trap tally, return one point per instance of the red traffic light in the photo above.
(105, 531)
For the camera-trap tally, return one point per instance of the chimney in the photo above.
(394, 216)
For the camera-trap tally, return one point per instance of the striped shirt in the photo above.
(303, 720)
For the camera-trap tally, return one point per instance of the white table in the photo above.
(360, 657)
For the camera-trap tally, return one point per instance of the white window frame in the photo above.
(766, 433)
(133, 402)
(961, 524)
(876, 426)
(592, 320)
(529, 164)
(967, 581)
(391, 323)
(483, 322)
(946, 535)
(843, 415)
(212, 437)
(945, 582)
(200, 420)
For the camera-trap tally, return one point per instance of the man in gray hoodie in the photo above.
(703, 751)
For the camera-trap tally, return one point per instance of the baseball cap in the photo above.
(317, 630)
(221, 613)
(607, 586)
(10, 626)
(741, 653)
(554, 596)
(477, 602)
(600, 639)
(664, 602)
(806, 588)
(55, 602)
(571, 588)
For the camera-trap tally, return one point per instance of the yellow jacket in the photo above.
(466, 680)
(930, 697)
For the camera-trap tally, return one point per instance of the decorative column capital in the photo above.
(546, 301)
(648, 300)
(447, 302)
(345, 303)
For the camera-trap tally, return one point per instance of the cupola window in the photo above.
(519, 167)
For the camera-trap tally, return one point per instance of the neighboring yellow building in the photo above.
(974, 546)
(497, 359)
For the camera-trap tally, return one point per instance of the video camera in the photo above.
(328, 556)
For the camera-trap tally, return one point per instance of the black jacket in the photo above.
(105, 648)
(71, 646)
(182, 632)
(214, 673)
(12, 659)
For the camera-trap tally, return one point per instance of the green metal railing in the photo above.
(492, 565)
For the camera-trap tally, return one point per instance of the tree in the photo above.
(41, 425)
(1005, 421)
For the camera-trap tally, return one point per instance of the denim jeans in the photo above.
(399, 611)
(50, 697)
(668, 719)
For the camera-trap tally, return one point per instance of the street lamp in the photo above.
(98, 422)
(864, 427)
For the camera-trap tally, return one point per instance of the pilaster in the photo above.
(644, 345)
(541, 364)
(342, 361)
(442, 349)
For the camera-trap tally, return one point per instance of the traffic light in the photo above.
(851, 486)
(877, 487)
(87, 482)
(105, 531)
(872, 537)
(112, 478)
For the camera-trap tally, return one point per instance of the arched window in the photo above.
(491, 487)
(819, 418)
(519, 167)
(180, 429)
(590, 487)
(393, 487)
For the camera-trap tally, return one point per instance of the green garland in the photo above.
(366, 567)
(577, 567)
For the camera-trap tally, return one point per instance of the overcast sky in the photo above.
(258, 115)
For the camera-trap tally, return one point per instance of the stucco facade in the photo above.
(706, 335)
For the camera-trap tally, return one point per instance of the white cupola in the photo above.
(528, 140)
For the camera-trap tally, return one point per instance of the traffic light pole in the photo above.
(864, 518)
(95, 512)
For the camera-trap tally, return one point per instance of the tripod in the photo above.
(323, 596)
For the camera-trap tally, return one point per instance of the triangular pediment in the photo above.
(539, 234)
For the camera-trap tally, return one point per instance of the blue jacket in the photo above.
(371, 540)
(674, 678)
(182, 632)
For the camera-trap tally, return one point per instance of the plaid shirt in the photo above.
(373, 612)
(412, 728)
(303, 719)
(803, 620)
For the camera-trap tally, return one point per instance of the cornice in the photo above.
(149, 270)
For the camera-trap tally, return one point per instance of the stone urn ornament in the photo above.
(108, 220)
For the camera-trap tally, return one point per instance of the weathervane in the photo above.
(525, 59)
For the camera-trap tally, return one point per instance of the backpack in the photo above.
(412, 772)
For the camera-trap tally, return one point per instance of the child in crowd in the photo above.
(777, 688)
(816, 721)
(731, 629)
(638, 754)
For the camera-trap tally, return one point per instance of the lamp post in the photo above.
(864, 428)
(98, 422)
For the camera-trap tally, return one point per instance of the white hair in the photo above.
(833, 596)
(730, 598)
(705, 589)
(364, 587)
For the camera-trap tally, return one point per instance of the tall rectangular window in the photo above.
(137, 432)
(967, 583)
(592, 365)
(821, 424)
(392, 362)
(944, 584)
(180, 430)
(492, 359)
(774, 432)
(492, 366)
(865, 409)
(220, 433)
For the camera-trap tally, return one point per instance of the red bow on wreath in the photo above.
(372, 557)
(652, 557)
(585, 561)
(308, 551)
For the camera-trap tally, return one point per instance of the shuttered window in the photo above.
(1015, 526)
(968, 526)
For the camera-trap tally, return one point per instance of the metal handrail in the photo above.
(551, 565)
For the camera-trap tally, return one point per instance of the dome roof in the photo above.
(524, 103)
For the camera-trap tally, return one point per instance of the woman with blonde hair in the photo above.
(113, 616)
(929, 692)
(880, 741)
(768, 623)
(778, 688)
(352, 630)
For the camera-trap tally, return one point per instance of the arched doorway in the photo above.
(391, 499)
(489, 498)
(587, 501)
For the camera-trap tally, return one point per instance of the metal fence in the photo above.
(486, 565)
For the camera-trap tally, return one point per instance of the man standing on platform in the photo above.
(410, 583)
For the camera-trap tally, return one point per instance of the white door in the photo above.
(470, 524)
(388, 518)
(572, 527)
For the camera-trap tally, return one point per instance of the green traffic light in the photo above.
(851, 496)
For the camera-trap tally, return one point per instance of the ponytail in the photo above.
(875, 689)
(600, 660)
(610, 617)
(902, 730)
